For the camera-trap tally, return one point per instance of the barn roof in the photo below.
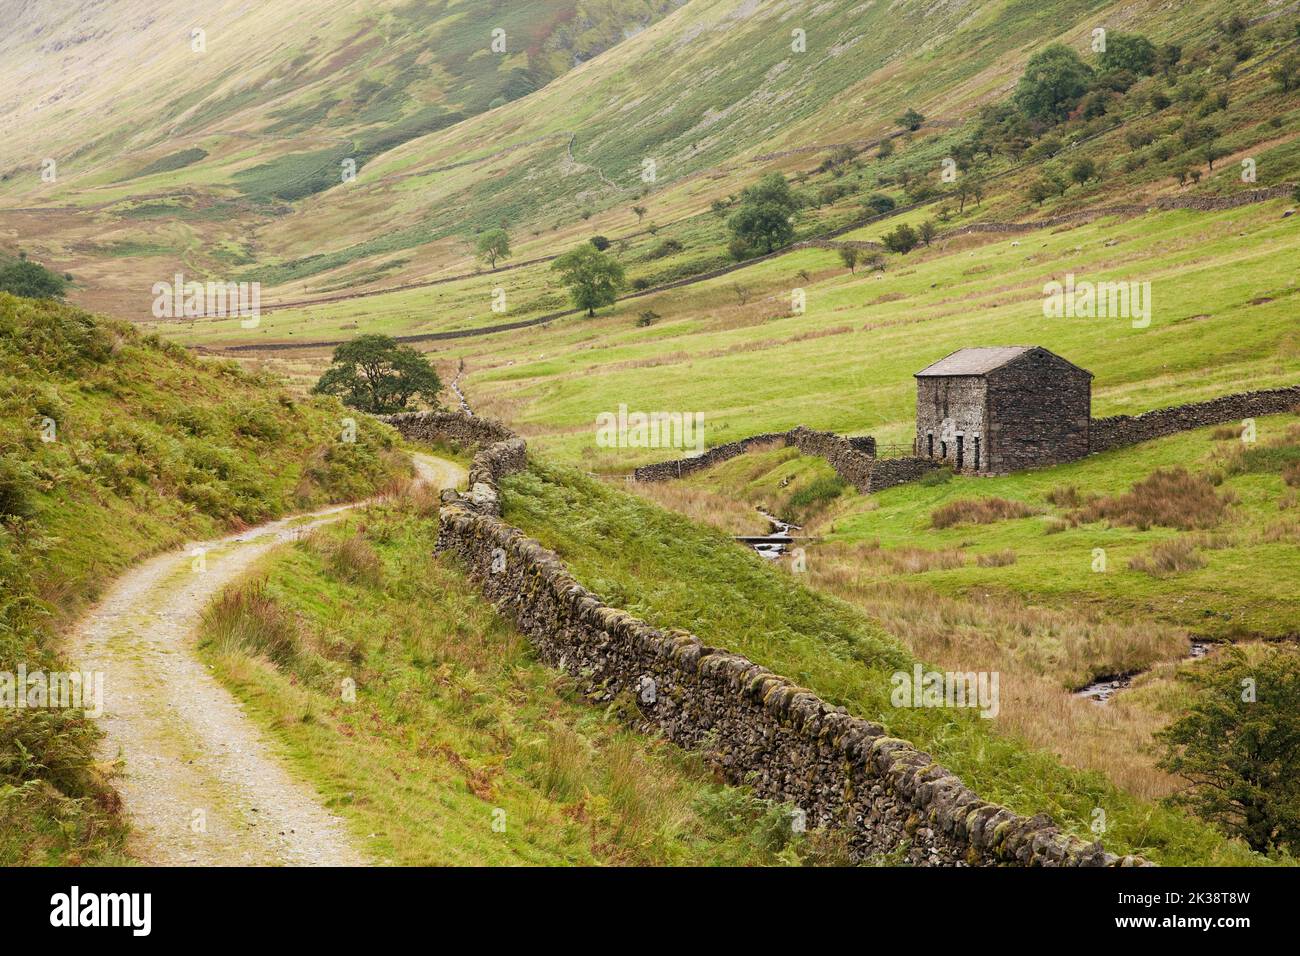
(982, 359)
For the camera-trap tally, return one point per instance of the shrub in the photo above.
(979, 511)
(816, 494)
(879, 203)
(903, 239)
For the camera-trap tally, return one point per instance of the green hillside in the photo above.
(114, 446)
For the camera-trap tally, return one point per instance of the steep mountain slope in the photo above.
(700, 93)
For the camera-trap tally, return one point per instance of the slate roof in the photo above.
(981, 360)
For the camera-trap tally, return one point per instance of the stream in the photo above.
(771, 546)
(1101, 691)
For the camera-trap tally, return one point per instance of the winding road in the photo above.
(202, 785)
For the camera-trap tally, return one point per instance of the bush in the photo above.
(815, 495)
(879, 203)
(903, 239)
(31, 280)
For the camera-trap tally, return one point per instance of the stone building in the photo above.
(1002, 408)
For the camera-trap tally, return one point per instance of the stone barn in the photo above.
(1002, 408)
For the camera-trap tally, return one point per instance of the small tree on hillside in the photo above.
(375, 374)
(1129, 51)
(1040, 190)
(902, 239)
(763, 220)
(849, 256)
(927, 231)
(493, 245)
(1084, 170)
(640, 212)
(910, 120)
(600, 243)
(593, 278)
(1238, 746)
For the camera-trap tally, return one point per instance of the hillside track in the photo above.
(201, 784)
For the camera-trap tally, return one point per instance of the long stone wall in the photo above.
(852, 458)
(754, 726)
(1120, 430)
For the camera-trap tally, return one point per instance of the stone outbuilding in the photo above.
(998, 409)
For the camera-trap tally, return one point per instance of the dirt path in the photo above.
(201, 785)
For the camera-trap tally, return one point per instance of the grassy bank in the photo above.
(114, 446)
(459, 747)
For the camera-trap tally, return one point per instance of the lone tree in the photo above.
(1054, 81)
(1084, 170)
(594, 279)
(30, 279)
(493, 245)
(375, 374)
(849, 256)
(1238, 746)
(902, 240)
(910, 120)
(640, 212)
(763, 220)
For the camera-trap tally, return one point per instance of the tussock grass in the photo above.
(248, 619)
(979, 511)
(1169, 497)
(997, 559)
(1168, 557)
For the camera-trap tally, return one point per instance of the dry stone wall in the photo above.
(1120, 430)
(754, 726)
(897, 471)
(852, 458)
